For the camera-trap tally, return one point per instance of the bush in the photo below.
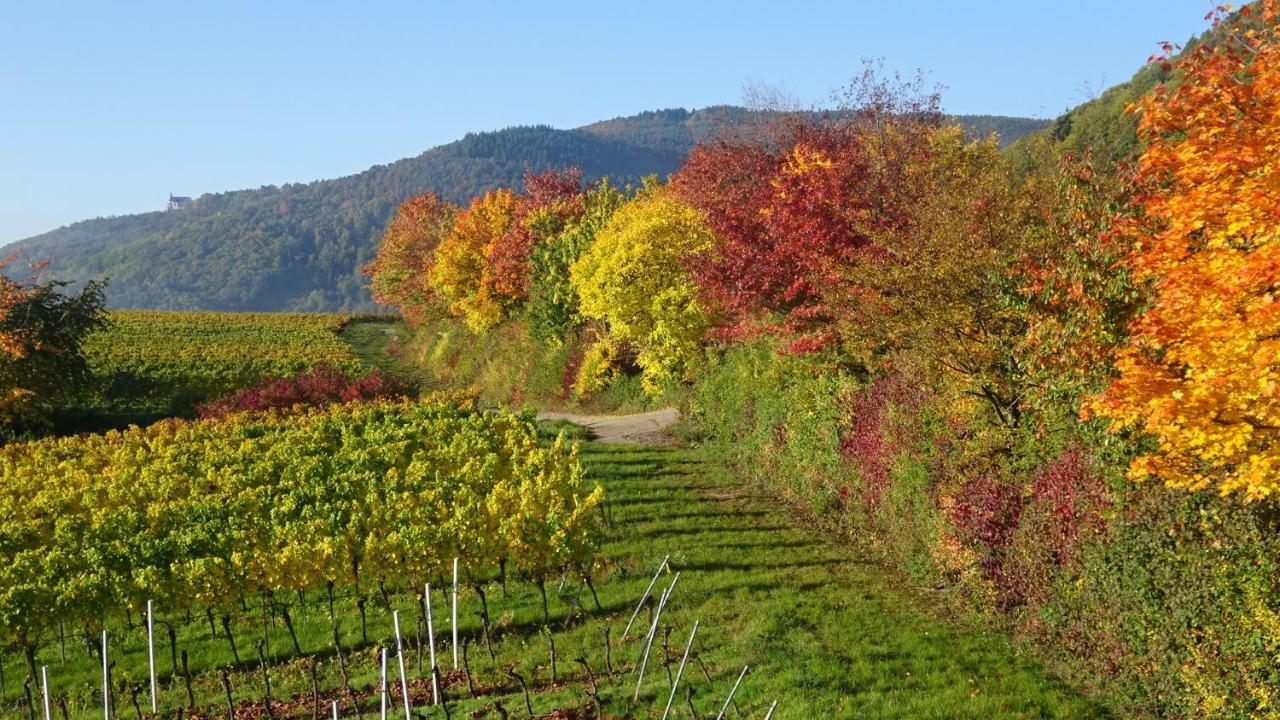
(1065, 508)
(510, 367)
(42, 361)
(633, 280)
(321, 385)
(1177, 604)
(880, 419)
(553, 299)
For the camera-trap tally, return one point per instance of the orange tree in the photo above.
(1201, 371)
(461, 273)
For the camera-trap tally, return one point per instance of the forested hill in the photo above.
(1101, 127)
(301, 246)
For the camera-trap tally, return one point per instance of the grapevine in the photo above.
(203, 514)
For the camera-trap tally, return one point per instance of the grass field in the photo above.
(825, 633)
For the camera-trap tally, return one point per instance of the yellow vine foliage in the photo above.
(204, 513)
(1201, 371)
(633, 279)
(461, 274)
(598, 364)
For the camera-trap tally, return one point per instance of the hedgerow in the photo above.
(1049, 388)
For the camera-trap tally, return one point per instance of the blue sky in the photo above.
(107, 107)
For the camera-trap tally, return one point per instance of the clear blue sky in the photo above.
(106, 107)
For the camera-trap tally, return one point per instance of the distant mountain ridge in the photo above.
(301, 246)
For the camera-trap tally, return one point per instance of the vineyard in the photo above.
(166, 361)
(205, 515)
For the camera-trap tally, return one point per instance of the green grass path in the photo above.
(825, 633)
(372, 342)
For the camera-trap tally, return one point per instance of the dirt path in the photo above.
(648, 428)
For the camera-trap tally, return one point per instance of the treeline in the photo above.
(1049, 386)
(300, 246)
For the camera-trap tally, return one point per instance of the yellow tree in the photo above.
(461, 273)
(1201, 371)
(633, 279)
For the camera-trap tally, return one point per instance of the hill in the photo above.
(1101, 127)
(300, 246)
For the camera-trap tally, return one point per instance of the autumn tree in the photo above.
(930, 283)
(728, 182)
(550, 202)
(461, 274)
(633, 279)
(399, 274)
(42, 328)
(795, 203)
(1201, 371)
(1070, 285)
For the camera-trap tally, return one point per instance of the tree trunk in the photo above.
(484, 619)
(266, 680)
(186, 680)
(546, 614)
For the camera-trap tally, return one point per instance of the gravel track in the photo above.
(648, 428)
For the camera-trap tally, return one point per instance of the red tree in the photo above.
(550, 201)
(792, 208)
(398, 274)
(729, 183)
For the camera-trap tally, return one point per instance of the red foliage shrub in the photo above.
(879, 427)
(985, 512)
(321, 385)
(1066, 506)
(1073, 497)
(793, 209)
